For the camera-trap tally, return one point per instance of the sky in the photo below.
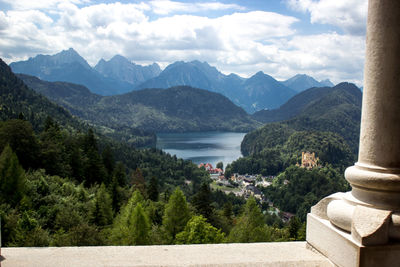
(321, 38)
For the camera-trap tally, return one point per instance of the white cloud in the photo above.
(165, 7)
(241, 42)
(39, 4)
(3, 21)
(349, 15)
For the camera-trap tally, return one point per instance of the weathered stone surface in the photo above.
(320, 209)
(370, 226)
(340, 213)
(344, 251)
(254, 254)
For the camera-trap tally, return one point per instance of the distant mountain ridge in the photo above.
(257, 92)
(176, 109)
(301, 82)
(69, 66)
(120, 68)
(119, 75)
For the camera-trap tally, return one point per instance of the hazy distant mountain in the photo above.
(301, 82)
(258, 92)
(69, 66)
(119, 75)
(263, 91)
(326, 82)
(177, 109)
(120, 68)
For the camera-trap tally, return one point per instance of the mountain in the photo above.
(258, 92)
(69, 66)
(336, 110)
(293, 106)
(17, 100)
(176, 109)
(121, 69)
(301, 82)
(263, 91)
(326, 82)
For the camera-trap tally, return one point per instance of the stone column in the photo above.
(362, 227)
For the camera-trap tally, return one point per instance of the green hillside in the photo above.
(336, 110)
(18, 101)
(177, 109)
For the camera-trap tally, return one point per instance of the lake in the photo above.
(202, 147)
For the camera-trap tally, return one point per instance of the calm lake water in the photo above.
(203, 147)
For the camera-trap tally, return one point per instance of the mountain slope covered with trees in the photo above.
(177, 109)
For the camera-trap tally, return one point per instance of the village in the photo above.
(246, 185)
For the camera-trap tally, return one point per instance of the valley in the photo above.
(93, 139)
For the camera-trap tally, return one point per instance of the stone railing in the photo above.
(253, 254)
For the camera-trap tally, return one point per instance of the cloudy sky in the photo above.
(321, 38)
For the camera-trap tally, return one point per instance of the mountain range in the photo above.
(176, 109)
(105, 79)
(119, 75)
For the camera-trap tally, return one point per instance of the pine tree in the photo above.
(176, 214)
(139, 226)
(121, 230)
(202, 202)
(138, 181)
(120, 174)
(108, 162)
(152, 190)
(12, 177)
(250, 226)
(21, 138)
(102, 214)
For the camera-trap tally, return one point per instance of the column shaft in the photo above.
(380, 123)
(375, 178)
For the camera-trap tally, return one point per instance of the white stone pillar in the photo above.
(362, 227)
(378, 167)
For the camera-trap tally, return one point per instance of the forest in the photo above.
(59, 188)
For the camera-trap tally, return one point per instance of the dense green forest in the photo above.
(62, 184)
(62, 189)
(176, 109)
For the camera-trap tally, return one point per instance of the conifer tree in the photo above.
(250, 226)
(152, 190)
(202, 202)
(120, 232)
(139, 227)
(102, 213)
(108, 162)
(12, 177)
(176, 214)
(138, 181)
(120, 174)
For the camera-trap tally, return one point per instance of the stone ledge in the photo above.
(344, 251)
(253, 254)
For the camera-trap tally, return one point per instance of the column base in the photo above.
(340, 248)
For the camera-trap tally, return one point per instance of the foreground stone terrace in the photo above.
(253, 254)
